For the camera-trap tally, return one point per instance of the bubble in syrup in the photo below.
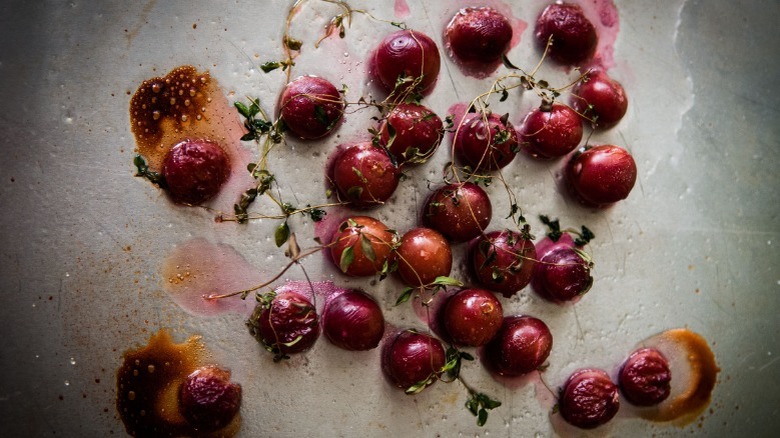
(72, 361)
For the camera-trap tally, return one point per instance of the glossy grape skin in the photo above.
(574, 36)
(601, 97)
(364, 175)
(588, 399)
(423, 255)
(561, 274)
(208, 400)
(353, 321)
(409, 54)
(522, 345)
(194, 171)
(503, 261)
(551, 132)
(485, 142)
(601, 175)
(418, 133)
(460, 212)
(412, 357)
(288, 325)
(310, 107)
(350, 234)
(645, 378)
(479, 35)
(472, 317)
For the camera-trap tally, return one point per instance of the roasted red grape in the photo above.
(521, 345)
(208, 400)
(416, 133)
(479, 35)
(353, 321)
(574, 38)
(310, 107)
(601, 175)
(194, 171)
(645, 377)
(472, 317)
(412, 360)
(485, 141)
(286, 324)
(561, 273)
(601, 98)
(364, 175)
(551, 132)
(406, 61)
(423, 255)
(460, 212)
(503, 261)
(361, 246)
(588, 399)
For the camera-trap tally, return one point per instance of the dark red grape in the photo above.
(485, 141)
(208, 400)
(521, 345)
(194, 171)
(364, 175)
(601, 175)
(412, 359)
(503, 261)
(417, 132)
(601, 98)
(472, 317)
(310, 107)
(406, 61)
(588, 399)
(479, 35)
(361, 246)
(287, 324)
(353, 321)
(574, 38)
(460, 212)
(645, 377)
(551, 132)
(423, 255)
(561, 274)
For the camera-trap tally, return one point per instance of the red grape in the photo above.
(503, 261)
(479, 35)
(353, 321)
(459, 211)
(521, 345)
(406, 61)
(364, 175)
(423, 255)
(361, 246)
(485, 141)
(588, 399)
(287, 324)
(472, 317)
(194, 171)
(574, 38)
(208, 400)
(416, 133)
(601, 98)
(561, 274)
(310, 107)
(551, 132)
(645, 377)
(601, 175)
(412, 358)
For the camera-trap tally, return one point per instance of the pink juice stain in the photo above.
(401, 9)
(604, 16)
(199, 268)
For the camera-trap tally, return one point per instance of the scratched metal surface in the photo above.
(82, 241)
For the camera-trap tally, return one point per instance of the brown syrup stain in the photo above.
(148, 387)
(694, 374)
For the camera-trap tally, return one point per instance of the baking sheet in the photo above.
(695, 245)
